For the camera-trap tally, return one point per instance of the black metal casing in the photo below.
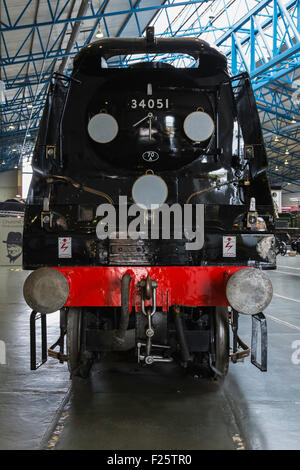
(68, 165)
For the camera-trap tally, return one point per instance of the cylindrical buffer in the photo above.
(249, 291)
(46, 290)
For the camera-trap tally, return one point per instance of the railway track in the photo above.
(128, 408)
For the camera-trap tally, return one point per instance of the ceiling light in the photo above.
(99, 33)
(286, 162)
(276, 138)
(287, 152)
(276, 168)
(29, 106)
(11, 127)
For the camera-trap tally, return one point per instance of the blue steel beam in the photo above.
(46, 55)
(97, 15)
(264, 40)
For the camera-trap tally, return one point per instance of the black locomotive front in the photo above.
(152, 135)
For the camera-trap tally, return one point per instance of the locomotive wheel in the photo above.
(221, 340)
(283, 249)
(73, 338)
(77, 364)
(201, 364)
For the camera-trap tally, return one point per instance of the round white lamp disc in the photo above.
(198, 126)
(149, 192)
(103, 128)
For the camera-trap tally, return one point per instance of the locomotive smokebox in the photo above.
(249, 291)
(46, 290)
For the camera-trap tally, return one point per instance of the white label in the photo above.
(65, 247)
(229, 247)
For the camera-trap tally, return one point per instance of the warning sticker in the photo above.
(64, 247)
(229, 247)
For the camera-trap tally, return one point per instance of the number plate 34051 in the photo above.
(148, 103)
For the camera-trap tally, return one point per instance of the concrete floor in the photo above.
(28, 400)
(124, 407)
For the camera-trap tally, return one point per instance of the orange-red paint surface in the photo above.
(190, 286)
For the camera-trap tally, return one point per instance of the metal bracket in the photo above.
(240, 349)
(150, 36)
(59, 355)
(149, 359)
(46, 219)
(33, 317)
(50, 151)
(148, 289)
(259, 320)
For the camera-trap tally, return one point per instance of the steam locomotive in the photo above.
(149, 221)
